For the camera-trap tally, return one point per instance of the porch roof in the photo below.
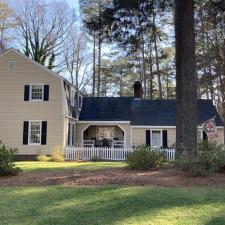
(141, 112)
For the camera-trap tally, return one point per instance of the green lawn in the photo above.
(117, 205)
(111, 206)
(33, 166)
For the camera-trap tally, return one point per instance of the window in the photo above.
(71, 134)
(156, 138)
(11, 65)
(72, 97)
(80, 101)
(105, 132)
(36, 92)
(199, 135)
(35, 132)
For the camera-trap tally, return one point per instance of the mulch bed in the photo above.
(117, 176)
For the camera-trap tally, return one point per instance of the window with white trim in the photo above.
(35, 132)
(11, 65)
(107, 132)
(72, 97)
(71, 134)
(156, 138)
(80, 99)
(37, 92)
(199, 135)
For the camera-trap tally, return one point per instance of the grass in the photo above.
(34, 166)
(111, 206)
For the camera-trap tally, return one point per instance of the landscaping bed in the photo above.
(105, 173)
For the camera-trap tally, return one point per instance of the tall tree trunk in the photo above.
(167, 82)
(204, 61)
(186, 89)
(99, 53)
(143, 64)
(99, 67)
(2, 37)
(224, 131)
(120, 85)
(208, 61)
(157, 55)
(94, 73)
(151, 70)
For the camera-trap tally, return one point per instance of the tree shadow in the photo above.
(217, 220)
(101, 205)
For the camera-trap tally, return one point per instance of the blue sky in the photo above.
(73, 3)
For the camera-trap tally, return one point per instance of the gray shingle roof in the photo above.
(141, 112)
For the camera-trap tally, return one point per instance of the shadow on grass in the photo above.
(101, 205)
(218, 220)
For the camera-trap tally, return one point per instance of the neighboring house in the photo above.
(40, 109)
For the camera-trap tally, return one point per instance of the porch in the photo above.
(103, 136)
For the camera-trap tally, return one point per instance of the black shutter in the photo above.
(46, 92)
(25, 132)
(26, 92)
(165, 142)
(44, 133)
(68, 140)
(148, 137)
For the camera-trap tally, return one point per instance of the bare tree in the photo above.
(7, 22)
(43, 28)
(76, 59)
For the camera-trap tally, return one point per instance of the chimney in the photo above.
(137, 89)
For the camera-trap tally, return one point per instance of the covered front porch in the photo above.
(112, 136)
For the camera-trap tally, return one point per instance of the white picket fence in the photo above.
(119, 154)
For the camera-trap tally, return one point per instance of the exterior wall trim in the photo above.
(153, 127)
(158, 127)
(88, 125)
(69, 117)
(103, 122)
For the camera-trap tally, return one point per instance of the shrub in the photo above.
(207, 157)
(57, 155)
(43, 158)
(7, 161)
(190, 164)
(144, 158)
(212, 156)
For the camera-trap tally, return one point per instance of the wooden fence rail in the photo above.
(119, 154)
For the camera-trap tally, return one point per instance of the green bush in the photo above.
(43, 158)
(7, 161)
(57, 155)
(207, 157)
(144, 158)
